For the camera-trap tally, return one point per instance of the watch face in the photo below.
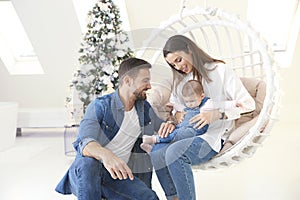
(222, 115)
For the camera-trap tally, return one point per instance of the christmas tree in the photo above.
(104, 46)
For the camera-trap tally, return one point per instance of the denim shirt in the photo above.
(101, 123)
(104, 117)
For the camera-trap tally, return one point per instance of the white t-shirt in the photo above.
(122, 144)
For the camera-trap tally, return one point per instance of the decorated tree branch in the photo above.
(104, 46)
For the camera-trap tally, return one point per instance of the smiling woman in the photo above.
(233, 40)
(180, 61)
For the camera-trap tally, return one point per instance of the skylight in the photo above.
(278, 22)
(16, 51)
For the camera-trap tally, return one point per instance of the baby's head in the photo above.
(192, 93)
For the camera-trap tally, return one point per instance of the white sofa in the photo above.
(8, 122)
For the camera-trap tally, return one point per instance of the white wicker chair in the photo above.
(233, 40)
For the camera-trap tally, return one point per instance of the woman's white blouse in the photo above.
(225, 87)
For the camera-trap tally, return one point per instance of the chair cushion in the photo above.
(257, 89)
(159, 96)
(237, 134)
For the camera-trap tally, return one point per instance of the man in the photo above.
(109, 159)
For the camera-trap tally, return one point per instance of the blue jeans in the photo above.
(90, 180)
(172, 163)
(178, 134)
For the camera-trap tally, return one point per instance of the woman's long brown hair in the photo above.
(199, 58)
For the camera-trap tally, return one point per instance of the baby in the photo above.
(194, 99)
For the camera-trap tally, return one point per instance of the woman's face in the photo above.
(181, 61)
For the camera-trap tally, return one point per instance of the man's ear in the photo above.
(127, 80)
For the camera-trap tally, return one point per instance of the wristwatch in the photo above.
(222, 115)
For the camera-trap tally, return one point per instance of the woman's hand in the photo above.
(166, 128)
(205, 117)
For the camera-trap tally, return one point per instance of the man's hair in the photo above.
(131, 67)
(192, 87)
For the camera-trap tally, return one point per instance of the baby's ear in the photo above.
(202, 95)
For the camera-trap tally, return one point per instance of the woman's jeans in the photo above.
(90, 181)
(172, 162)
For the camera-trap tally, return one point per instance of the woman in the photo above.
(172, 161)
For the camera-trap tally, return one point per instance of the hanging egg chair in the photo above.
(226, 37)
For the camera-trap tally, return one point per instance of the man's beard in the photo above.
(140, 95)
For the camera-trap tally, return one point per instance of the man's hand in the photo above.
(166, 128)
(114, 165)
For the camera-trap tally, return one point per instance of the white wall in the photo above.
(54, 31)
(149, 14)
(55, 34)
(290, 83)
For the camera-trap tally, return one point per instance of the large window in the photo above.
(278, 22)
(16, 51)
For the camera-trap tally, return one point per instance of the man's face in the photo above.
(141, 84)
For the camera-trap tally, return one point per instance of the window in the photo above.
(278, 22)
(16, 51)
